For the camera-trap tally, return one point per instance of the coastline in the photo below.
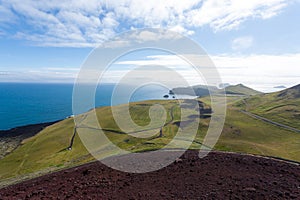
(12, 138)
(27, 130)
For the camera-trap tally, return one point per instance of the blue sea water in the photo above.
(31, 103)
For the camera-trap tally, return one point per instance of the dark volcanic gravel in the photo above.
(25, 131)
(217, 176)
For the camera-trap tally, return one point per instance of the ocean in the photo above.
(31, 103)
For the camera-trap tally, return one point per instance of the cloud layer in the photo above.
(242, 43)
(79, 23)
(262, 72)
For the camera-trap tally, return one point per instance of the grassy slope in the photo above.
(46, 150)
(242, 133)
(282, 107)
(245, 134)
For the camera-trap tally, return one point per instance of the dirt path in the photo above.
(74, 133)
(270, 121)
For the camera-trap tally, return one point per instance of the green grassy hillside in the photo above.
(241, 89)
(47, 151)
(245, 134)
(282, 107)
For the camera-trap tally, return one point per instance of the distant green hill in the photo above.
(240, 89)
(291, 93)
(282, 107)
(203, 90)
(198, 90)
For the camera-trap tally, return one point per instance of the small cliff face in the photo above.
(11, 139)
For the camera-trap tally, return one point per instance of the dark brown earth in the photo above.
(25, 131)
(217, 176)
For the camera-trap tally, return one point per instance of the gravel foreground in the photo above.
(217, 176)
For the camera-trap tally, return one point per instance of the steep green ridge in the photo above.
(282, 107)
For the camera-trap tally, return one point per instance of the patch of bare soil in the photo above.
(217, 176)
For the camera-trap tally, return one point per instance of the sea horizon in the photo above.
(33, 103)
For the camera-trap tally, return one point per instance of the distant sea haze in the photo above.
(31, 103)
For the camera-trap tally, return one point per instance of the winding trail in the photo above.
(270, 121)
(267, 120)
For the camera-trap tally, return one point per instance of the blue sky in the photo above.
(253, 42)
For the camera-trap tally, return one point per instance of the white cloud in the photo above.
(182, 30)
(160, 60)
(242, 43)
(261, 72)
(2, 33)
(46, 74)
(229, 14)
(4, 73)
(6, 15)
(88, 23)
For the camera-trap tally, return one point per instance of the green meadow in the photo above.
(47, 151)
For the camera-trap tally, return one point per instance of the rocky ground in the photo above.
(217, 176)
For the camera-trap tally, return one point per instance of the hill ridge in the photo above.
(204, 90)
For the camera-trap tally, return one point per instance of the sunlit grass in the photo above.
(47, 150)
